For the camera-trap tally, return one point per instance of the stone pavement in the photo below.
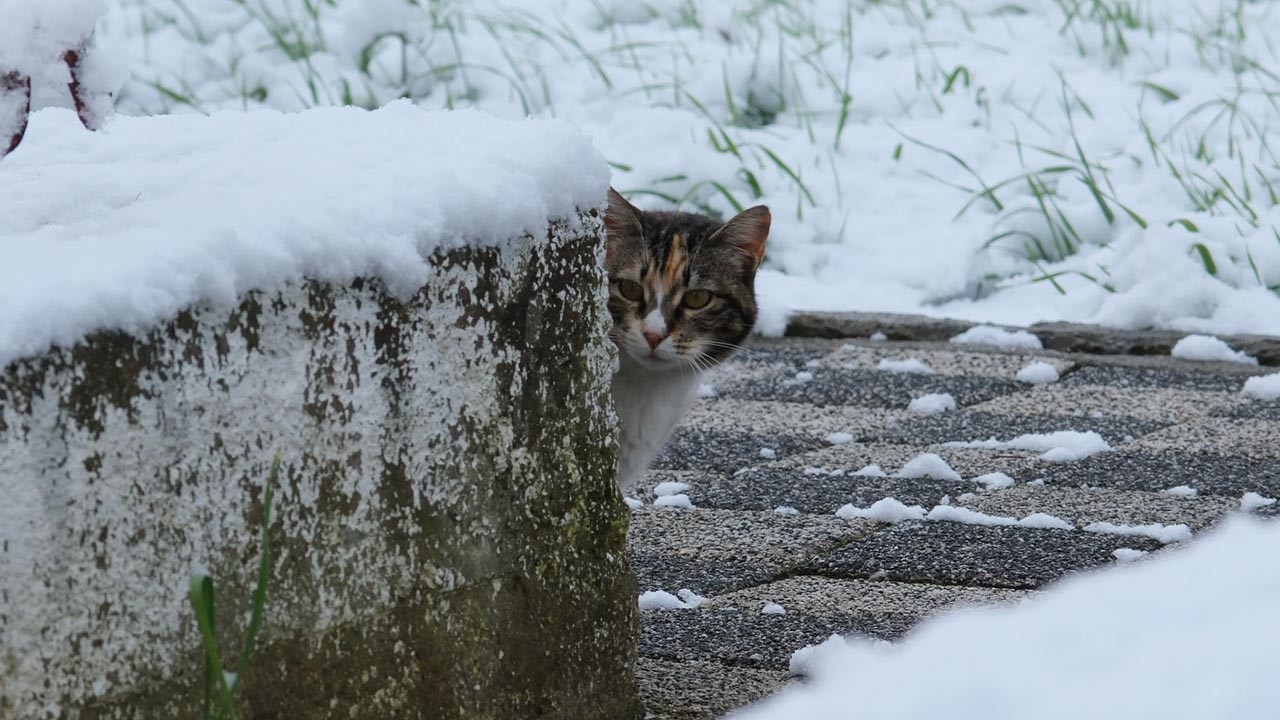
(762, 443)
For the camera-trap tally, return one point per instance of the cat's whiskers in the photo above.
(731, 347)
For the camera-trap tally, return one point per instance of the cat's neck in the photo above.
(650, 403)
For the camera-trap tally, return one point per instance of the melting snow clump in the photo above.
(928, 465)
(908, 366)
(994, 481)
(1251, 501)
(1038, 373)
(669, 487)
(1207, 348)
(1127, 555)
(932, 404)
(1163, 533)
(998, 337)
(1060, 446)
(674, 501)
(887, 510)
(1263, 387)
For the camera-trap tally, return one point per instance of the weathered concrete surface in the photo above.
(448, 535)
(1169, 423)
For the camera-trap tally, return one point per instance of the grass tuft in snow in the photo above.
(220, 686)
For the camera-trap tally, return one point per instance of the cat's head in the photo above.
(681, 286)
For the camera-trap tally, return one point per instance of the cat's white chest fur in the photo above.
(649, 403)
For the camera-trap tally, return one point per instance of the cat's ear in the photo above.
(622, 219)
(747, 232)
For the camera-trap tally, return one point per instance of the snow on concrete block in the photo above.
(407, 306)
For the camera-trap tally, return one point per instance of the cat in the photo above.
(682, 298)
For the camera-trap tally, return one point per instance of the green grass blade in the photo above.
(202, 601)
(1207, 258)
(264, 572)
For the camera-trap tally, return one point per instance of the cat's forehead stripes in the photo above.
(676, 261)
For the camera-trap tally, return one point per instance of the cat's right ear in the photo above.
(622, 219)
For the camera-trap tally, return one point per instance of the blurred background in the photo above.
(1005, 160)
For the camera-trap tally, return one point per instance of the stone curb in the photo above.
(1059, 336)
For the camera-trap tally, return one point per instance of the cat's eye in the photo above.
(695, 299)
(631, 290)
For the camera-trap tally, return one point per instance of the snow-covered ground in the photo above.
(1088, 160)
(1187, 634)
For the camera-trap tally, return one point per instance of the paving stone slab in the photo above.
(1138, 469)
(787, 418)
(822, 481)
(732, 629)
(701, 689)
(711, 551)
(891, 457)
(961, 554)
(1178, 377)
(1081, 506)
(845, 597)
(1252, 439)
(974, 426)
(695, 448)
(748, 639)
(820, 494)
(791, 351)
(895, 326)
(1256, 410)
(867, 388)
(644, 487)
(1158, 405)
(944, 360)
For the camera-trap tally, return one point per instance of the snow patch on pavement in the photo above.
(993, 336)
(932, 404)
(994, 481)
(887, 510)
(1163, 533)
(1251, 501)
(928, 465)
(1206, 348)
(1037, 373)
(1263, 387)
(1060, 446)
(910, 366)
(1074, 650)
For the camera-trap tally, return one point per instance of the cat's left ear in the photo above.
(748, 231)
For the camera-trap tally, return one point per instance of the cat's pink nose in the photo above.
(654, 338)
